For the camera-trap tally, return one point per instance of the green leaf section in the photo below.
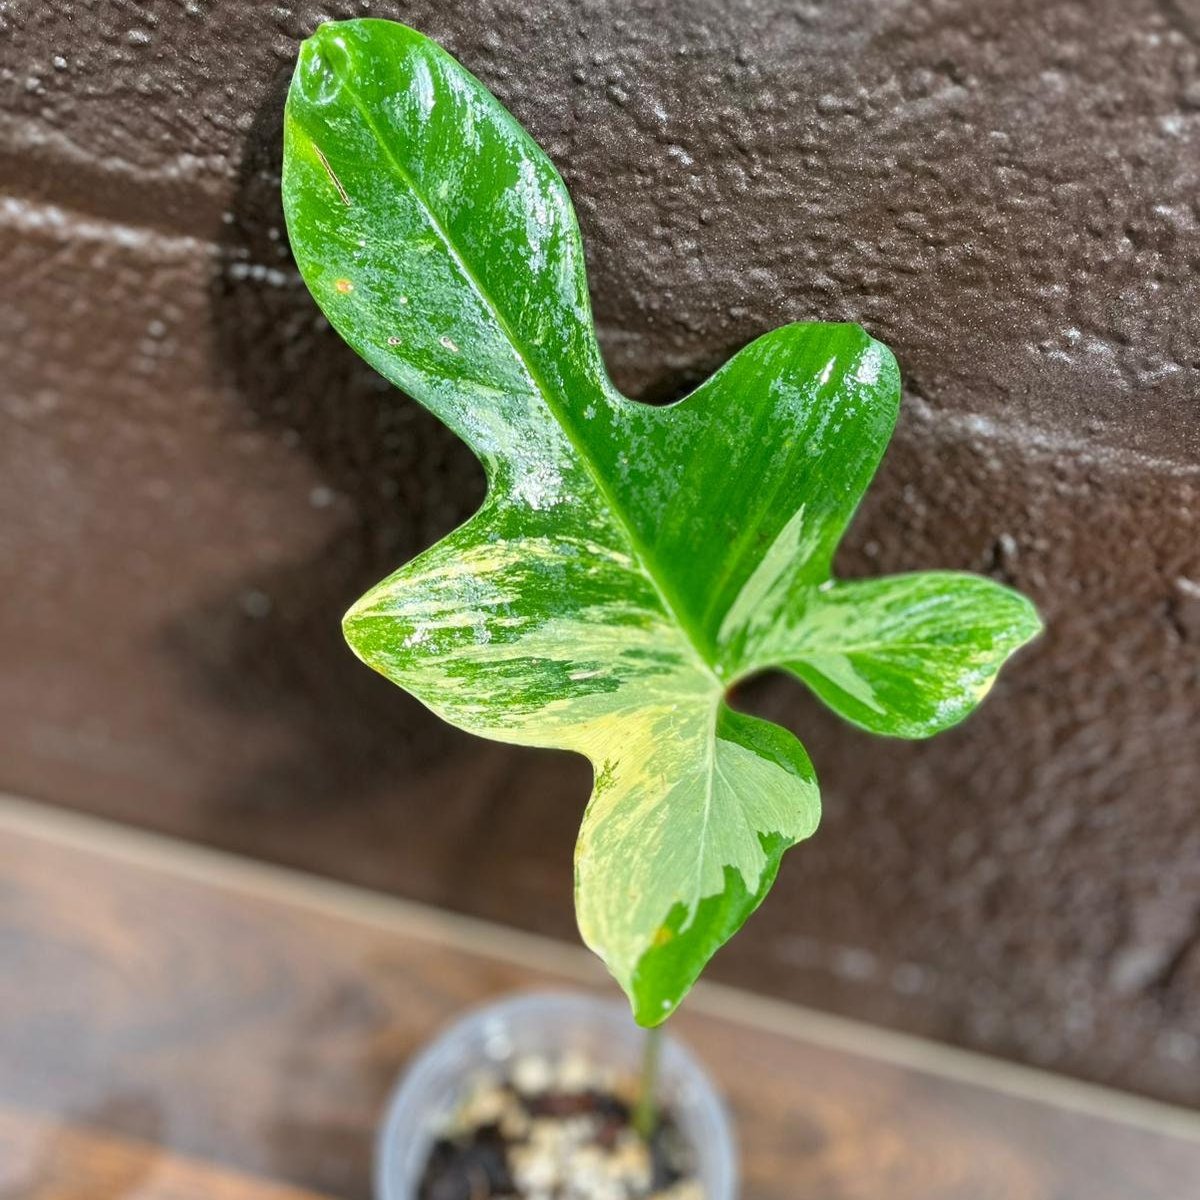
(630, 562)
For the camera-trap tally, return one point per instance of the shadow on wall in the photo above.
(271, 648)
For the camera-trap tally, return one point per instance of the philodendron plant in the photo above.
(631, 563)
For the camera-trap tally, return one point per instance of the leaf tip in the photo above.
(1026, 623)
(650, 1013)
(355, 631)
(322, 65)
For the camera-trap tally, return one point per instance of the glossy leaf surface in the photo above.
(630, 563)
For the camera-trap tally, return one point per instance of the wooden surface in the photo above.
(48, 1158)
(177, 1024)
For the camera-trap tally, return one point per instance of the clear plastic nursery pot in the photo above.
(550, 1024)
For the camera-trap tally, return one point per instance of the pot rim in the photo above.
(411, 1098)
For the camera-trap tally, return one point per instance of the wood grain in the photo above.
(46, 1159)
(163, 1007)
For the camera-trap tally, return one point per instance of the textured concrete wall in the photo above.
(197, 477)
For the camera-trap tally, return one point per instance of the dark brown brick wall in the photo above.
(197, 477)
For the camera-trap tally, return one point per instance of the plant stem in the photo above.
(645, 1113)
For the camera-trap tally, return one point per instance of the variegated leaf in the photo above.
(630, 563)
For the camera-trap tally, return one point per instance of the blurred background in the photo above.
(197, 477)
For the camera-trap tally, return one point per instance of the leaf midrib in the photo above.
(640, 550)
